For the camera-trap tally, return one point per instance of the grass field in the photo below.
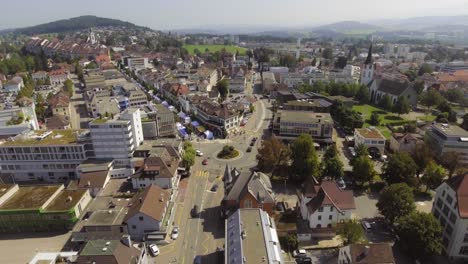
(214, 48)
(385, 118)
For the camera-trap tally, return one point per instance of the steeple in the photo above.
(227, 174)
(369, 56)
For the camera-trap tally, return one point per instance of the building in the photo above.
(147, 211)
(376, 253)
(326, 204)
(18, 119)
(312, 105)
(39, 76)
(157, 170)
(117, 138)
(248, 190)
(44, 156)
(449, 138)
(451, 209)
(394, 88)
(372, 138)
(54, 257)
(14, 85)
(94, 80)
(136, 63)
(58, 77)
(405, 142)
(350, 74)
(40, 207)
(250, 237)
(112, 252)
(158, 121)
(291, 124)
(221, 118)
(60, 105)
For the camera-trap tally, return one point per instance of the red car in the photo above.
(205, 162)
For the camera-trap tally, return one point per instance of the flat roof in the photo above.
(94, 248)
(56, 137)
(63, 203)
(113, 216)
(304, 116)
(4, 188)
(370, 133)
(29, 197)
(253, 245)
(451, 130)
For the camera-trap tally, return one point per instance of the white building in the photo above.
(136, 63)
(372, 138)
(451, 209)
(326, 204)
(14, 85)
(250, 237)
(117, 138)
(16, 120)
(349, 74)
(157, 171)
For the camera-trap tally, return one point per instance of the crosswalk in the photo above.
(202, 173)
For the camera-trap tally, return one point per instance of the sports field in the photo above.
(214, 48)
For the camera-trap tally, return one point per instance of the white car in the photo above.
(199, 153)
(175, 233)
(154, 250)
(299, 253)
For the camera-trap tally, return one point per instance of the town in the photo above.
(122, 144)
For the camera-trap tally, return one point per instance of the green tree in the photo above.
(425, 68)
(272, 154)
(374, 119)
(305, 161)
(420, 234)
(361, 150)
(363, 169)
(422, 155)
(351, 232)
(79, 71)
(433, 175)
(386, 103)
(223, 88)
(40, 106)
(401, 106)
(450, 160)
(362, 95)
(68, 87)
(395, 201)
(327, 53)
(431, 98)
(455, 95)
(333, 167)
(400, 167)
(188, 158)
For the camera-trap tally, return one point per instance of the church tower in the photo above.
(367, 72)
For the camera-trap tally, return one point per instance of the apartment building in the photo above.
(372, 138)
(48, 156)
(449, 138)
(136, 63)
(451, 209)
(290, 124)
(18, 119)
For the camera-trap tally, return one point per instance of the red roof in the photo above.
(328, 193)
(460, 185)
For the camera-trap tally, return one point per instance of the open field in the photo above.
(214, 48)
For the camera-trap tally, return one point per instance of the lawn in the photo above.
(214, 48)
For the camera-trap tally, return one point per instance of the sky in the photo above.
(180, 14)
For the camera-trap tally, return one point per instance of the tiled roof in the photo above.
(460, 185)
(256, 183)
(330, 194)
(152, 202)
(393, 87)
(59, 100)
(95, 179)
(378, 253)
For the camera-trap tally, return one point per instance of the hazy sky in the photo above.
(174, 14)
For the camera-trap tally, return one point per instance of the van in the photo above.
(367, 226)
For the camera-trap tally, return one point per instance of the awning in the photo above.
(201, 129)
(166, 104)
(208, 134)
(182, 115)
(183, 133)
(195, 124)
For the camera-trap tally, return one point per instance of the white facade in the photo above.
(325, 216)
(137, 63)
(133, 115)
(140, 224)
(369, 137)
(165, 183)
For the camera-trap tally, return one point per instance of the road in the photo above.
(203, 234)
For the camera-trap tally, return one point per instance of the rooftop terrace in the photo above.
(29, 197)
(54, 137)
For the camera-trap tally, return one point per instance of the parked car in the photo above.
(367, 226)
(341, 183)
(304, 260)
(154, 250)
(194, 211)
(175, 233)
(205, 162)
(249, 149)
(214, 188)
(199, 153)
(299, 253)
(252, 144)
(197, 260)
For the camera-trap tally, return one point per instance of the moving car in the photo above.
(154, 250)
(252, 144)
(175, 233)
(194, 211)
(299, 253)
(205, 162)
(249, 149)
(199, 153)
(214, 188)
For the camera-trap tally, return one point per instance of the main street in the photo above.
(202, 235)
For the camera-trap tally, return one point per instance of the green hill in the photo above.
(75, 24)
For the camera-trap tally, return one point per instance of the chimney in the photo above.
(126, 240)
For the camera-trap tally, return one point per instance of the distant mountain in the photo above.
(419, 23)
(347, 27)
(75, 24)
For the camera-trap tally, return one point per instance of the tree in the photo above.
(401, 106)
(431, 98)
(188, 158)
(287, 60)
(40, 106)
(386, 103)
(450, 160)
(333, 167)
(422, 155)
(305, 161)
(327, 53)
(223, 89)
(374, 119)
(420, 234)
(425, 68)
(454, 95)
(341, 62)
(395, 201)
(464, 124)
(433, 175)
(272, 154)
(68, 87)
(362, 95)
(361, 150)
(351, 232)
(400, 167)
(363, 169)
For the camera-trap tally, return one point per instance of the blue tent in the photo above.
(183, 132)
(208, 134)
(195, 124)
(182, 115)
(166, 104)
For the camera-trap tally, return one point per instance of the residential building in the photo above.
(157, 170)
(58, 76)
(158, 121)
(39, 76)
(237, 84)
(48, 156)
(372, 138)
(172, 92)
(60, 105)
(350, 74)
(14, 85)
(18, 119)
(117, 138)
(221, 118)
(112, 252)
(405, 142)
(250, 237)
(147, 211)
(94, 80)
(312, 105)
(136, 63)
(54, 257)
(291, 124)
(248, 190)
(40, 207)
(376, 253)
(449, 138)
(326, 204)
(451, 209)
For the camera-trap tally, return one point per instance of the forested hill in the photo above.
(75, 24)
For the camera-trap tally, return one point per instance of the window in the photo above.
(465, 239)
(331, 208)
(319, 226)
(453, 218)
(330, 217)
(247, 204)
(443, 194)
(436, 214)
(319, 217)
(439, 203)
(320, 209)
(141, 218)
(134, 226)
(446, 210)
(449, 230)
(449, 199)
(464, 250)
